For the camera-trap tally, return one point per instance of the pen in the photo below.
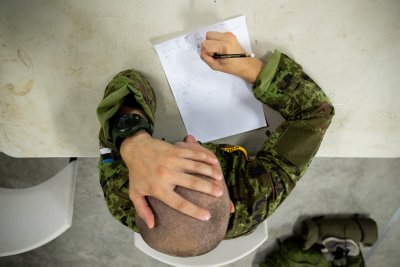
(216, 55)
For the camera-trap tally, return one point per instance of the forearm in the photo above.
(284, 86)
(250, 70)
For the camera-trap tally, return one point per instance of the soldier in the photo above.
(134, 165)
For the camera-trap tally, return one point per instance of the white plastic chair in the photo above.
(31, 217)
(227, 251)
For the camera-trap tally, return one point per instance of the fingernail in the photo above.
(219, 193)
(206, 217)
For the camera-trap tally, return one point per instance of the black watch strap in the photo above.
(128, 125)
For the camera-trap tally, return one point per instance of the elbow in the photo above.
(327, 112)
(332, 110)
(326, 109)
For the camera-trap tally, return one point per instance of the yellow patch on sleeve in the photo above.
(231, 149)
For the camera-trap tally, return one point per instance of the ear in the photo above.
(189, 139)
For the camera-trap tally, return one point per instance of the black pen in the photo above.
(216, 55)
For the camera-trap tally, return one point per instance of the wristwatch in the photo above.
(128, 125)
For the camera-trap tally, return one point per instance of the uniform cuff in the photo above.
(266, 75)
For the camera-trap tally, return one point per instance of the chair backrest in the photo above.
(227, 251)
(31, 217)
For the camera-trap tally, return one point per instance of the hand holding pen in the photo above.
(224, 56)
(222, 52)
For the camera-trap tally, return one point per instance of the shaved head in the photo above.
(177, 234)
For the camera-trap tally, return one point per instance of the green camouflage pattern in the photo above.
(126, 85)
(257, 186)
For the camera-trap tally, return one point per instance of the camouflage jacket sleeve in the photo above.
(128, 87)
(258, 186)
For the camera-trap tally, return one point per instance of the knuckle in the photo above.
(203, 155)
(181, 152)
(181, 144)
(197, 151)
(162, 171)
(230, 36)
(155, 190)
(166, 166)
(217, 190)
(181, 205)
(197, 166)
(194, 183)
(209, 34)
(204, 45)
(228, 47)
(132, 195)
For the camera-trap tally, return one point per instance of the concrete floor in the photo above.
(331, 186)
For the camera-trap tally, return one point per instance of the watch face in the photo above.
(128, 121)
(128, 125)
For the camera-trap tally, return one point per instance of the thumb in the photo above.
(143, 210)
(190, 139)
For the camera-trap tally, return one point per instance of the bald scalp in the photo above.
(177, 234)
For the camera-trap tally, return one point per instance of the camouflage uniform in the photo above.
(256, 186)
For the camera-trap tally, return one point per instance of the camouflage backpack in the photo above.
(291, 253)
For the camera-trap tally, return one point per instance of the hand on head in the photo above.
(191, 139)
(176, 234)
(157, 167)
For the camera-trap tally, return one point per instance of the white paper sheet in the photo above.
(212, 104)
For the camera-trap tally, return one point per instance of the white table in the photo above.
(56, 57)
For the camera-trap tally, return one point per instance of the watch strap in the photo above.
(128, 125)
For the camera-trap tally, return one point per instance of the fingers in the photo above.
(199, 184)
(190, 139)
(232, 207)
(143, 209)
(220, 36)
(177, 202)
(200, 168)
(197, 160)
(194, 151)
(222, 43)
(210, 47)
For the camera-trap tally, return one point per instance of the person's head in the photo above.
(177, 234)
